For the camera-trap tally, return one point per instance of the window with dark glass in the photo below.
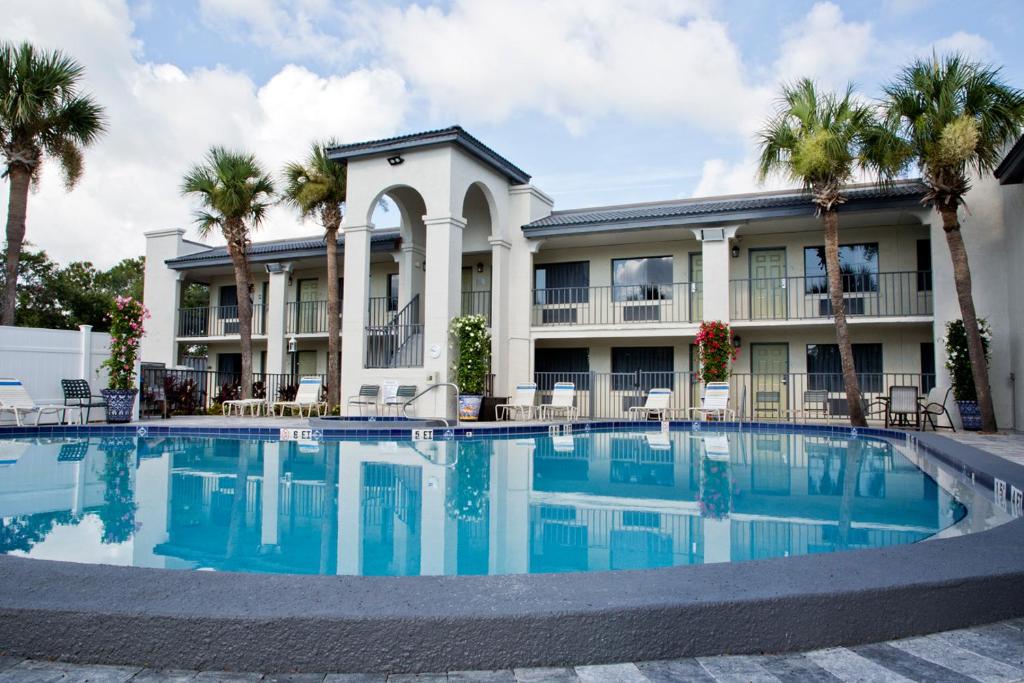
(562, 365)
(393, 292)
(562, 283)
(825, 369)
(228, 302)
(858, 267)
(924, 265)
(642, 279)
(642, 368)
(927, 366)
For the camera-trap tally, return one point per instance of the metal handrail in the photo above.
(458, 392)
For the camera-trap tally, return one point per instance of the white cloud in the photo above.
(970, 44)
(721, 177)
(163, 119)
(826, 48)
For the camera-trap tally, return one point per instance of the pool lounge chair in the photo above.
(656, 406)
(367, 396)
(14, 398)
(714, 403)
(255, 406)
(563, 402)
(308, 396)
(520, 405)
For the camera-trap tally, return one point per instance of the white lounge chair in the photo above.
(563, 402)
(521, 403)
(714, 403)
(655, 405)
(14, 398)
(239, 405)
(307, 396)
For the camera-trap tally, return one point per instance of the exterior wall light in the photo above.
(395, 160)
(736, 341)
(480, 267)
(735, 251)
(293, 345)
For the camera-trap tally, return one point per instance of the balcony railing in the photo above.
(802, 297)
(307, 317)
(194, 392)
(676, 302)
(399, 342)
(477, 303)
(754, 396)
(217, 321)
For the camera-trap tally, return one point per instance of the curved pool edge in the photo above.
(250, 622)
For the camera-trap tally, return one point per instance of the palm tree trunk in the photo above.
(17, 207)
(835, 291)
(333, 318)
(975, 347)
(243, 285)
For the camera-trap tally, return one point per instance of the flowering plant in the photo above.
(714, 341)
(473, 342)
(126, 330)
(715, 489)
(958, 360)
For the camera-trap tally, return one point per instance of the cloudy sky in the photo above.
(603, 101)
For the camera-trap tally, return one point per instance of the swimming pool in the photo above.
(582, 502)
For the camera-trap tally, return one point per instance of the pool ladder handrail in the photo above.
(458, 392)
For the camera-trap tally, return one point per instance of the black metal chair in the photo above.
(78, 393)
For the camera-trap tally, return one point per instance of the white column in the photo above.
(85, 349)
(500, 250)
(162, 287)
(350, 538)
(410, 273)
(442, 300)
(716, 258)
(269, 537)
(354, 303)
(277, 295)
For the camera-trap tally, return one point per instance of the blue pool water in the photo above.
(592, 501)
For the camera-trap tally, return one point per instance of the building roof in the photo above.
(451, 135)
(277, 250)
(1010, 170)
(714, 210)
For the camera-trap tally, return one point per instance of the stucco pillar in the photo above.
(442, 300)
(500, 296)
(162, 287)
(277, 295)
(410, 273)
(354, 304)
(269, 537)
(85, 351)
(716, 258)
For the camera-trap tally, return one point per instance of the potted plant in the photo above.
(473, 361)
(958, 363)
(126, 330)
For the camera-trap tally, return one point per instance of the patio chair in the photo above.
(14, 398)
(655, 405)
(934, 406)
(79, 391)
(367, 396)
(563, 402)
(521, 403)
(403, 394)
(308, 396)
(714, 403)
(900, 405)
(813, 404)
(769, 402)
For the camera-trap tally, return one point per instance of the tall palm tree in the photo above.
(234, 192)
(42, 114)
(956, 117)
(822, 140)
(316, 188)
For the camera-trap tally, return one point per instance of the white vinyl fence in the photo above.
(41, 358)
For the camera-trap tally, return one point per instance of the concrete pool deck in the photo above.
(199, 620)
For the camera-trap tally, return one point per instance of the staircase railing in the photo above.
(399, 343)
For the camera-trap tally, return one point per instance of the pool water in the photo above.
(592, 501)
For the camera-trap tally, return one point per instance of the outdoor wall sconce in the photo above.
(736, 341)
(480, 267)
(735, 251)
(293, 345)
(395, 160)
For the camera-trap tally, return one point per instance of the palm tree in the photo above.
(821, 140)
(42, 115)
(234, 192)
(956, 116)
(316, 187)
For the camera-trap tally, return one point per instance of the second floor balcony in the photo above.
(677, 302)
(217, 321)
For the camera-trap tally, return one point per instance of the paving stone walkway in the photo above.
(993, 654)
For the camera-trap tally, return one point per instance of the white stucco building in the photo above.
(608, 297)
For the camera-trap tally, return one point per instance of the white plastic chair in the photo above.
(307, 396)
(563, 402)
(714, 403)
(14, 398)
(655, 405)
(521, 403)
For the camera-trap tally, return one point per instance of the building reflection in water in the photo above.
(590, 501)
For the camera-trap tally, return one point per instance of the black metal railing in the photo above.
(806, 297)
(675, 302)
(196, 392)
(399, 343)
(217, 321)
(477, 303)
(307, 317)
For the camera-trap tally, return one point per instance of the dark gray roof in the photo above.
(453, 134)
(1010, 170)
(275, 250)
(714, 210)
